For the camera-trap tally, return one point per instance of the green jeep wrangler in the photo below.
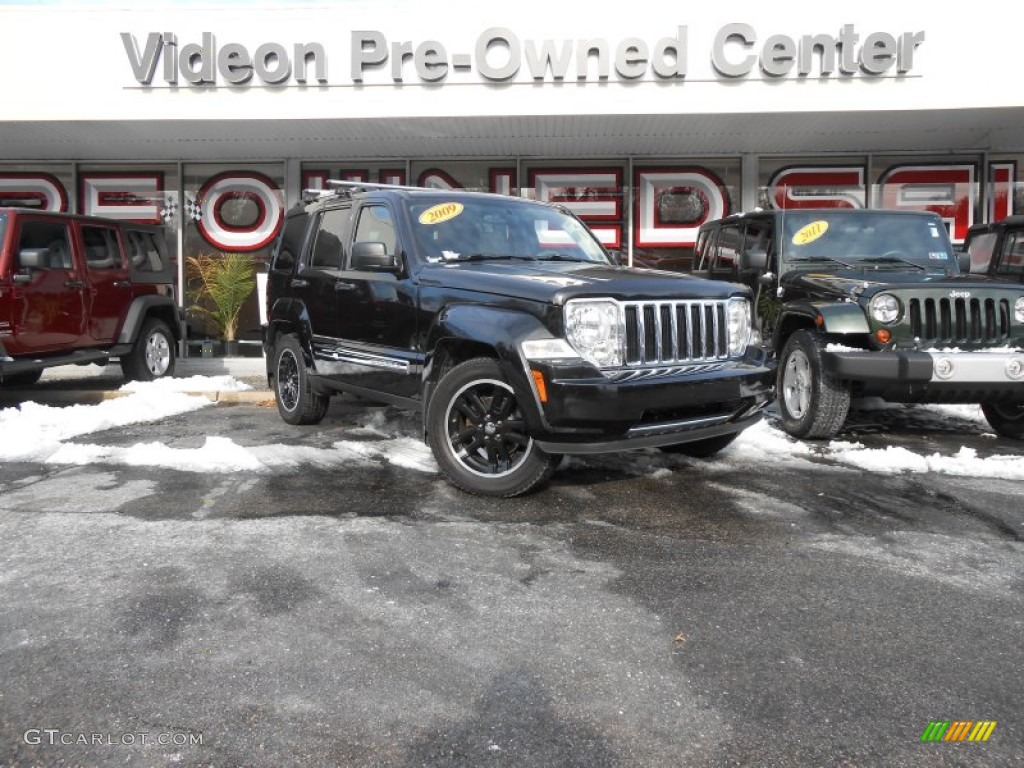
(872, 303)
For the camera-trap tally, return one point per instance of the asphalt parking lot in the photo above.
(341, 607)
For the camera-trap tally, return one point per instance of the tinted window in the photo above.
(981, 248)
(376, 226)
(101, 248)
(1011, 261)
(757, 236)
(52, 236)
(329, 244)
(727, 250)
(700, 250)
(145, 251)
(290, 245)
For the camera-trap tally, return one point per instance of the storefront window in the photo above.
(46, 187)
(231, 209)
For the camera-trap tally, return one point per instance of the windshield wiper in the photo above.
(449, 256)
(802, 259)
(892, 260)
(554, 256)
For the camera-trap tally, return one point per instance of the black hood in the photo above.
(557, 282)
(853, 283)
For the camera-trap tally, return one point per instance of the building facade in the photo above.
(213, 119)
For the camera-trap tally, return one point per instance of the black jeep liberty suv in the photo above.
(872, 303)
(504, 321)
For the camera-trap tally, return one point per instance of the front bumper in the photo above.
(1001, 373)
(588, 413)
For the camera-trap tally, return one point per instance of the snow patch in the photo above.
(190, 384)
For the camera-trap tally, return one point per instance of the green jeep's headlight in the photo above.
(885, 308)
(596, 330)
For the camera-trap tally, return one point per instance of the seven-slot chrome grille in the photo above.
(670, 332)
(949, 320)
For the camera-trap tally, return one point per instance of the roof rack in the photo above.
(354, 186)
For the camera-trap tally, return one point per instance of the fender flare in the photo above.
(143, 307)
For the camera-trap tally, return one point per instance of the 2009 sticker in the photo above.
(810, 232)
(441, 212)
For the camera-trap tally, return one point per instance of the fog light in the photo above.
(944, 368)
(883, 335)
(1015, 369)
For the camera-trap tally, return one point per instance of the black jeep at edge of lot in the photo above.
(84, 289)
(505, 323)
(872, 302)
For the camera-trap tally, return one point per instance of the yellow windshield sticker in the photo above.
(442, 212)
(810, 233)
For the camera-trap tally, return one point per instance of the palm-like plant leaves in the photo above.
(222, 284)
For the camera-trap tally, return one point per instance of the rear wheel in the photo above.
(702, 449)
(812, 403)
(478, 435)
(1007, 419)
(23, 379)
(296, 401)
(152, 357)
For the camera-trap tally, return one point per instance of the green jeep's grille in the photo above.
(960, 321)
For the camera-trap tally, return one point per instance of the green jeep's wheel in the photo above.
(478, 435)
(812, 403)
(152, 357)
(1007, 419)
(296, 401)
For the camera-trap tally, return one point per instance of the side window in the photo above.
(705, 251)
(290, 246)
(102, 250)
(757, 237)
(329, 243)
(1011, 260)
(376, 226)
(144, 251)
(727, 250)
(981, 247)
(51, 236)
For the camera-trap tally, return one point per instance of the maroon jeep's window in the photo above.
(53, 236)
(101, 249)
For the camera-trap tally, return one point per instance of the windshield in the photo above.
(455, 229)
(873, 239)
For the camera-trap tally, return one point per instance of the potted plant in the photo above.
(221, 285)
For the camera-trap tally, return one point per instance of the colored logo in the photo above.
(439, 213)
(958, 730)
(810, 233)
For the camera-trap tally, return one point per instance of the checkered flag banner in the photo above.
(193, 210)
(170, 209)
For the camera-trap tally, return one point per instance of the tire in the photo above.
(23, 379)
(812, 403)
(1006, 419)
(296, 401)
(153, 356)
(478, 435)
(702, 449)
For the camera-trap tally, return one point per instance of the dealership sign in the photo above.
(499, 55)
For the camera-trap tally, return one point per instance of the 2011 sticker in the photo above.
(810, 233)
(440, 212)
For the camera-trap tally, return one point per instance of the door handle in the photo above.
(121, 284)
(298, 282)
(341, 285)
(74, 284)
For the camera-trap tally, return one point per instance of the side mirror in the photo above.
(33, 258)
(756, 258)
(373, 256)
(963, 260)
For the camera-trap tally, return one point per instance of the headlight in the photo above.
(885, 308)
(1018, 309)
(739, 326)
(595, 329)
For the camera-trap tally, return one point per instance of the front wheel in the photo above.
(296, 401)
(152, 357)
(478, 435)
(1006, 419)
(812, 403)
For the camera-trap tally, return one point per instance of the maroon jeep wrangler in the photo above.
(81, 289)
